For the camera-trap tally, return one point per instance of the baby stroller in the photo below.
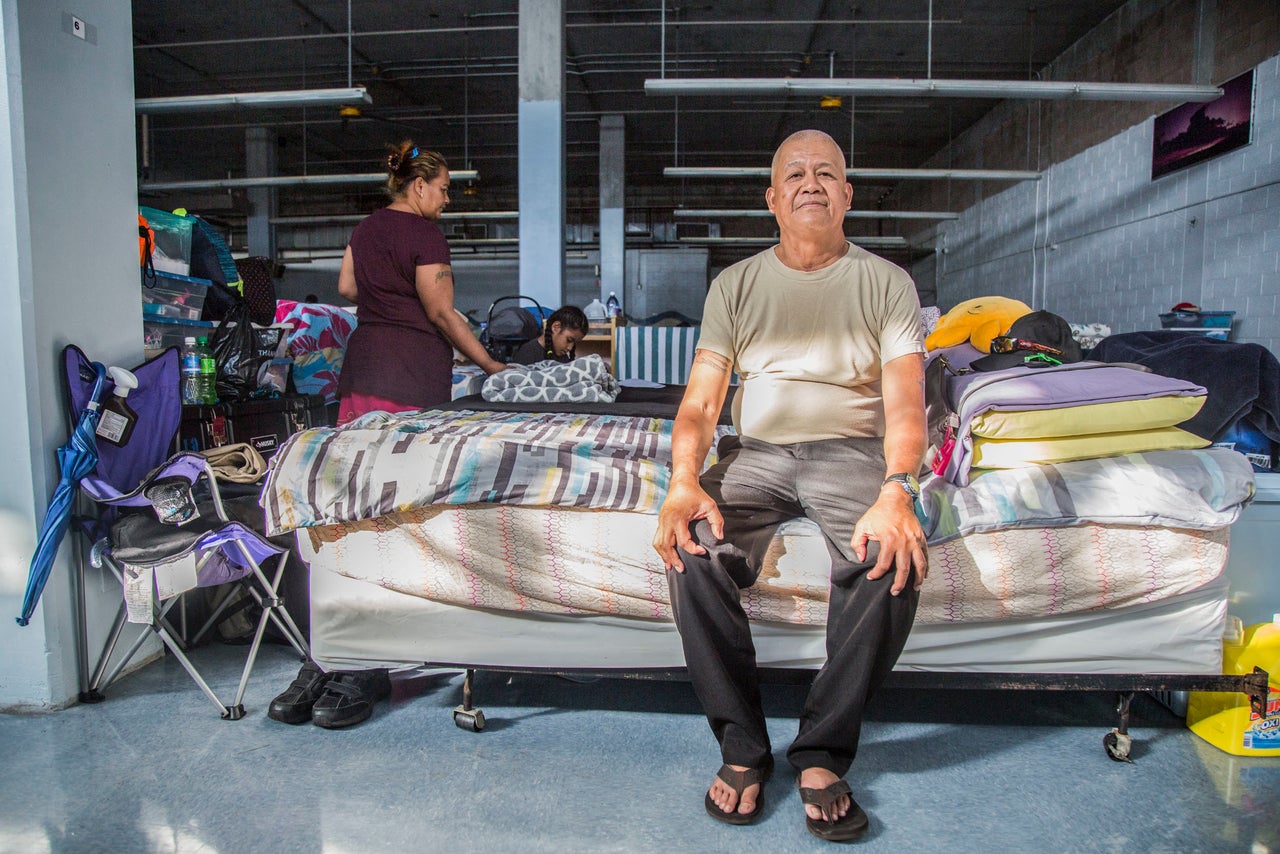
(509, 328)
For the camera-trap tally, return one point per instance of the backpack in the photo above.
(259, 289)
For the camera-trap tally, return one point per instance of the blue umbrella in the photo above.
(76, 459)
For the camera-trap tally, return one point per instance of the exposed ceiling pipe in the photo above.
(717, 214)
(284, 181)
(896, 174)
(895, 87)
(339, 219)
(866, 242)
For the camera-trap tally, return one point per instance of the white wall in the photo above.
(1096, 240)
(68, 250)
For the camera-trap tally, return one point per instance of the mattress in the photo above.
(483, 583)
(357, 624)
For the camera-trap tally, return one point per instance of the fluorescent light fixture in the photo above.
(929, 87)
(252, 100)
(286, 181)
(867, 242)
(339, 219)
(717, 214)
(856, 172)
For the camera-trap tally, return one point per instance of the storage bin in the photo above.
(1221, 334)
(172, 252)
(174, 297)
(265, 424)
(1197, 319)
(160, 333)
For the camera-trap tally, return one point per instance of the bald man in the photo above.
(829, 421)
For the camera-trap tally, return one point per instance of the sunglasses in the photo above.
(1005, 344)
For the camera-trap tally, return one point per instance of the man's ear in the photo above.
(848, 194)
(768, 198)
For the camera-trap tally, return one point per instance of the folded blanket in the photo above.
(1243, 380)
(585, 380)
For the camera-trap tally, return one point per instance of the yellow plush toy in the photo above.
(976, 321)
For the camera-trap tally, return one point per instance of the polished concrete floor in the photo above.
(604, 765)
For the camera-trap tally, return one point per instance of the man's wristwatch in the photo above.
(907, 481)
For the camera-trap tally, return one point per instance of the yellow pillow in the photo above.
(1016, 453)
(1117, 416)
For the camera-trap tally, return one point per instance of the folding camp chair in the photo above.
(164, 529)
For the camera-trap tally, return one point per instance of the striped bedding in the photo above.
(555, 513)
(383, 463)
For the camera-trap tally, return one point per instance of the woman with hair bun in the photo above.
(397, 270)
(399, 358)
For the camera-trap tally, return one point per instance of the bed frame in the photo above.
(1159, 647)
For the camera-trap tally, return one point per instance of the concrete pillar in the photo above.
(260, 161)
(541, 151)
(68, 275)
(613, 223)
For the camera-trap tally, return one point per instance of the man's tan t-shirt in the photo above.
(808, 347)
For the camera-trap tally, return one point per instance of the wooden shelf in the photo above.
(600, 338)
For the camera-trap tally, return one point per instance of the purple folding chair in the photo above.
(162, 512)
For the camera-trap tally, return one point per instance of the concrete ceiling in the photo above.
(445, 74)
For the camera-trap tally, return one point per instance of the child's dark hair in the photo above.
(569, 317)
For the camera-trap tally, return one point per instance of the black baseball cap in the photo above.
(1038, 339)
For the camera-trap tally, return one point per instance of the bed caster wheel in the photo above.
(472, 720)
(1117, 744)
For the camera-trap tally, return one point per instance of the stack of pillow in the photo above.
(1029, 398)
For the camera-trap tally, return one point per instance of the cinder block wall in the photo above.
(1096, 240)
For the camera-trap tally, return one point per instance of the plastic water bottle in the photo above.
(190, 368)
(208, 372)
(613, 305)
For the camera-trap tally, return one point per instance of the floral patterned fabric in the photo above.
(318, 336)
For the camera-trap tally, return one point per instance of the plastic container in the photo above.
(161, 333)
(172, 251)
(613, 306)
(174, 297)
(1197, 319)
(1225, 719)
(595, 310)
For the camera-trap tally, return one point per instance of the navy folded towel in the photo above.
(1243, 380)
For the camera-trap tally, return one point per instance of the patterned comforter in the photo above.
(381, 464)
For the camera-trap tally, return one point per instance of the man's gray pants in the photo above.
(758, 486)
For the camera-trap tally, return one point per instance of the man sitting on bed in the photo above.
(830, 425)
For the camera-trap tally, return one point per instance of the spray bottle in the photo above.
(118, 419)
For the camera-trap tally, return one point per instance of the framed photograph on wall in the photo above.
(1194, 133)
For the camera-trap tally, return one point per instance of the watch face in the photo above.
(908, 482)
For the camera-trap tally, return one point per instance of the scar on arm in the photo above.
(712, 360)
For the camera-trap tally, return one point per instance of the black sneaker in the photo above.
(293, 705)
(349, 697)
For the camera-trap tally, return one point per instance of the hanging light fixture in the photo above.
(229, 100)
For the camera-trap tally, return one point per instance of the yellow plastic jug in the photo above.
(1225, 719)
